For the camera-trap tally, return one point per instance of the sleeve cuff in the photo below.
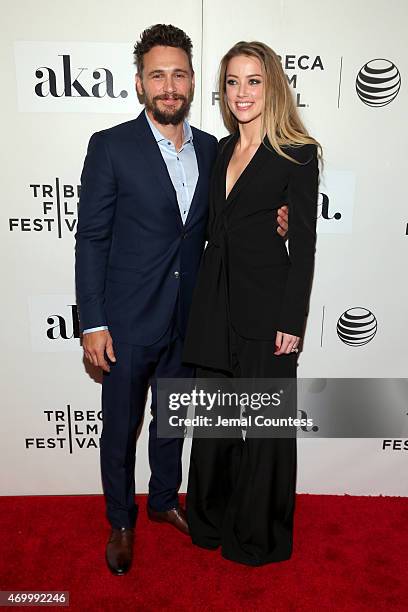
(93, 329)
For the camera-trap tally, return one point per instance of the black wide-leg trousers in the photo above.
(241, 492)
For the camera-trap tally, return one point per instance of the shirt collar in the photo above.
(187, 131)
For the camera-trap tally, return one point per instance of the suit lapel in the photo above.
(200, 163)
(225, 157)
(249, 173)
(154, 159)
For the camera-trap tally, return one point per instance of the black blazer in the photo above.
(247, 280)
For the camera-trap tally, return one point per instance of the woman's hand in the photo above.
(286, 343)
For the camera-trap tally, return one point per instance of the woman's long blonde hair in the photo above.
(280, 122)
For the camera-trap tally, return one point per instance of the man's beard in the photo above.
(170, 117)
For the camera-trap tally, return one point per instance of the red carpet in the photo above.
(350, 554)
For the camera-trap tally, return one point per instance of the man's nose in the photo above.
(169, 84)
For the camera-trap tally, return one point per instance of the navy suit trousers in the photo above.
(124, 392)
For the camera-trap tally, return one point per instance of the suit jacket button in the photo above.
(177, 274)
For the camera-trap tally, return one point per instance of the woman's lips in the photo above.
(243, 106)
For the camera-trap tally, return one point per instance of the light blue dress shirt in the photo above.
(181, 165)
(183, 171)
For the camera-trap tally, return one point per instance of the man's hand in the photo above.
(286, 343)
(95, 344)
(283, 221)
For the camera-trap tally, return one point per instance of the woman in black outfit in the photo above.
(250, 303)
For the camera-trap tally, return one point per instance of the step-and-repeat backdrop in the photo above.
(67, 72)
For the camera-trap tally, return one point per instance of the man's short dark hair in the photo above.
(162, 35)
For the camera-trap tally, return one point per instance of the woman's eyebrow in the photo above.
(249, 76)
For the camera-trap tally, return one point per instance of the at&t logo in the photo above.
(356, 326)
(378, 82)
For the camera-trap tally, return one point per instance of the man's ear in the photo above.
(139, 88)
(139, 84)
(192, 85)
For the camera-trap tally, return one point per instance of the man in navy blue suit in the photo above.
(141, 233)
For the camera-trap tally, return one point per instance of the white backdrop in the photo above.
(67, 73)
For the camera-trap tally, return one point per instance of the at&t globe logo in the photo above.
(356, 326)
(378, 82)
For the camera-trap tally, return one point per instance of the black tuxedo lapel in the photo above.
(249, 173)
(154, 159)
(225, 155)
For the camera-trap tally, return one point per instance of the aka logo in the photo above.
(74, 77)
(336, 202)
(75, 83)
(54, 323)
(323, 209)
(306, 428)
(64, 328)
(58, 209)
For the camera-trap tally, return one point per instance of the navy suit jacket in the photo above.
(134, 256)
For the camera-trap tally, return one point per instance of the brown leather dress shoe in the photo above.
(119, 550)
(174, 516)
